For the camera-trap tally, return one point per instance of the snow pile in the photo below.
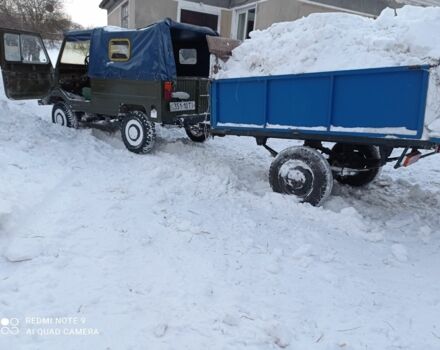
(337, 41)
(334, 41)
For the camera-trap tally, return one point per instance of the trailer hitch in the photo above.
(406, 159)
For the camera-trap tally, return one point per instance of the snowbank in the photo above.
(335, 41)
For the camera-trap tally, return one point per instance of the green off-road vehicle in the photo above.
(112, 77)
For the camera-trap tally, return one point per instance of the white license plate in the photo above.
(182, 106)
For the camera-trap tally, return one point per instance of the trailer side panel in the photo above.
(376, 103)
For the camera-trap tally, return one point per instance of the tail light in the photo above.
(168, 90)
(412, 158)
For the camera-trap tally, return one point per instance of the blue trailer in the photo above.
(366, 113)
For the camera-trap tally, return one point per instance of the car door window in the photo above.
(26, 67)
(24, 48)
(32, 50)
(12, 47)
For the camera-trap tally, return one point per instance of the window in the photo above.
(119, 50)
(245, 23)
(32, 50)
(188, 56)
(124, 15)
(75, 52)
(12, 47)
(25, 48)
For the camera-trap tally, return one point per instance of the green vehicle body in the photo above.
(100, 103)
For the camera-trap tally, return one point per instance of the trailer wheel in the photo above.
(138, 133)
(63, 115)
(196, 133)
(303, 172)
(356, 159)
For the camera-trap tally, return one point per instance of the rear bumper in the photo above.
(192, 119)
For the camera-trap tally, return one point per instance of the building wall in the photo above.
(226, 23)
(217, 3)
(132, 14)
(150, 11)
(145, 12)
(272, 11)
(306, 9)
(373, 7)
(114, 17)
(114, 14)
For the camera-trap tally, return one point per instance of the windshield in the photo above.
(75, 52)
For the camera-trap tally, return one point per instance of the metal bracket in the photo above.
(262, 141)
(401, 158)
(271, 151)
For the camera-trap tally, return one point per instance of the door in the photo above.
(199, 19)
(26, 67)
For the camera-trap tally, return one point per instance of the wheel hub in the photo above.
(60, 118)
(134, 133)
(297, 178)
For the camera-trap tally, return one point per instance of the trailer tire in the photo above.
(356, 157)
(196, 133)
(138, 132)
(303, 172)
(63, 115)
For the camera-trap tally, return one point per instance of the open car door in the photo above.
(26, 67)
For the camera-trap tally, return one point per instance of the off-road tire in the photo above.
(196, 133)
(63, 115)
(356, 157)
(302, 172)
(138, 132)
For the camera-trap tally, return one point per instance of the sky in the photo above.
(86, 12)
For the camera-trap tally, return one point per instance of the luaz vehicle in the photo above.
(113, 77)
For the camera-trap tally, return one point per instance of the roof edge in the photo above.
(105, 4)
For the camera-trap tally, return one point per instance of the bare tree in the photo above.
(44, 16)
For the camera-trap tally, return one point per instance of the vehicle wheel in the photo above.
(303, 172)
(64, 116)
(358, 159)
(197, 133)
(138, 133)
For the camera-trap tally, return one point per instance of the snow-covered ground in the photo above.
(188, 247)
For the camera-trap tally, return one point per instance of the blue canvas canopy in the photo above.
(152, 55)
(78, 35)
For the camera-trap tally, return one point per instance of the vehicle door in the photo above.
(26, 68)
